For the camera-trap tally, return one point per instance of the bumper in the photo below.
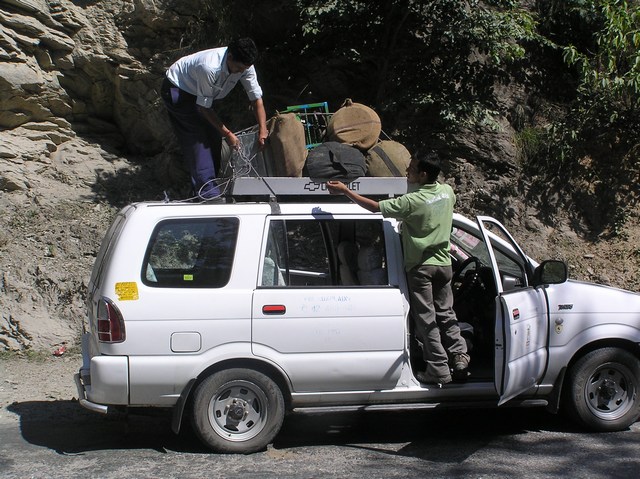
(102, 381)
(82, 396)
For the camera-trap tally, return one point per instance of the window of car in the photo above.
(466, 243)
(191, 253)
(324, 252)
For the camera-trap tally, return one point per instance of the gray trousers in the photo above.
(436, 325)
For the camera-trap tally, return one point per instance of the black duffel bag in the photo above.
(335, 161)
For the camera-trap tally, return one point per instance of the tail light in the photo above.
(110, 322)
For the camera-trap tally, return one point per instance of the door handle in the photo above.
(272, 309)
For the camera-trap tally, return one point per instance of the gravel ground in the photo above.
(40, 378)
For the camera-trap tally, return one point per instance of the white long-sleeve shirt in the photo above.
(205, 74)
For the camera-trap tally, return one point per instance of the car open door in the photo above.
(522, 326)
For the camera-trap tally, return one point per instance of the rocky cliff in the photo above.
(83, 132)
(76, 105)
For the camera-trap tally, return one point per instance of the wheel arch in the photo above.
(268, 369)
(626, 344)
(556, 397)
(588, 412)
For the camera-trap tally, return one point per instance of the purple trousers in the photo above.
(199, 141)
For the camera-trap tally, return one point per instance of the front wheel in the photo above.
(237, 411)
(602, 390)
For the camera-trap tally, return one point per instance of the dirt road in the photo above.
(47, 378)
(44, 433)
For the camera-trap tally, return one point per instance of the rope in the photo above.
(242, 167)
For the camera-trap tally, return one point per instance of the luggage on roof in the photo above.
(355, 124)
(388, 158)
(286, 149)
(300, 156)
(333, 160)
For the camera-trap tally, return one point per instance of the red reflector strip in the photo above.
(274, 309)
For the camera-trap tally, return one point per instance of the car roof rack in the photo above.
(309, 189)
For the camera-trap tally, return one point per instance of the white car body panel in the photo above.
(159, 380)
(332, 339)
(524, 324)
(109, 380)
(333, 345)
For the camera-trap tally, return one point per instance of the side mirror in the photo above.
(551, 271)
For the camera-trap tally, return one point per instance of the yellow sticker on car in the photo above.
(187, 277)
(127, 291)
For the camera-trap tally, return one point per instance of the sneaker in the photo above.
(460, 367)
(425, 378)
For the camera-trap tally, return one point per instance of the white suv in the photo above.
(234, 314)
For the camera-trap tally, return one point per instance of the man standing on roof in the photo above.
(189, 89)
(427, 216)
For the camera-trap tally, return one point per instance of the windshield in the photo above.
(466, 243)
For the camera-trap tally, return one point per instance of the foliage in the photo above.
(567, 22)
(427, 67)
(612, 74)
(214, 23)
(426, 63)
(594, 148)
(609, 77)
(431, 68)
(531, 142)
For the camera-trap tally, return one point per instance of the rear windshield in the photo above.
(191, 253)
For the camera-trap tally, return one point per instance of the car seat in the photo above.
(348, 263)
(371, 269)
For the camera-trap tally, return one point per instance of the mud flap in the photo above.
(554, 398)
(178, 409)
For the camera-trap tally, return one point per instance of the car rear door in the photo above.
(330, 329)
(522, 324)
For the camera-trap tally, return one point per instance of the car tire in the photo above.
(602, 390)
(237, 411)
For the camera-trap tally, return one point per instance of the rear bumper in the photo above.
(102, 381)
(82, 396)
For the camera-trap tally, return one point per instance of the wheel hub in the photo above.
(607, 390)
(236, 410)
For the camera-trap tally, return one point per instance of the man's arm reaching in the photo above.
(339, 188)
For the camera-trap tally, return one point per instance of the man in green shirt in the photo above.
(426, 212)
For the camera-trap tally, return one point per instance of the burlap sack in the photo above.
(286, 147)
(388, 158)
(355, 124)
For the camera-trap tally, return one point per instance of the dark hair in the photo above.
(429, 162)
(244, 51)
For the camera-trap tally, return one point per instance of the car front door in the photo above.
(522, 325)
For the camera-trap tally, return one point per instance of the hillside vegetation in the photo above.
(533, 105)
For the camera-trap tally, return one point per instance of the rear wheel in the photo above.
(602, 390)
(238, 411)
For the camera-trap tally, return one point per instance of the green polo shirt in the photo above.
(427, 216)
